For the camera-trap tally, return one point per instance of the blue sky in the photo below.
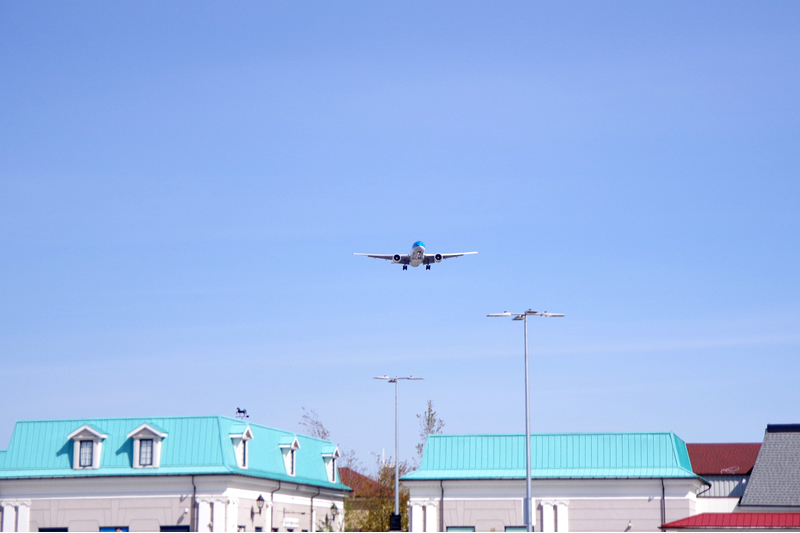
(182, 186)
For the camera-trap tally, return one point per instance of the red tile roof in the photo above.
(716, 459)
(737, 521)
(362, 485)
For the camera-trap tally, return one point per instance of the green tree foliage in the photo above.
(429, 424)
(375, 505)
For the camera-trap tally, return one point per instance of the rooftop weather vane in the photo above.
(241, 413)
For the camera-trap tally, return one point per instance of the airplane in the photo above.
(417, 257)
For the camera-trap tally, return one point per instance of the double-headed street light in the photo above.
(524, 317)
(394, 521)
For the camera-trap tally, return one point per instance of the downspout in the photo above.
(193, 519)
(272, 508)
(441, 506)
(663, 504)
(311, 518)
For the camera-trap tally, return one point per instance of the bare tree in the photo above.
(377, 500)
(429, 424)
(313, 425)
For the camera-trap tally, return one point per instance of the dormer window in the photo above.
(241, 434)
(87, 447)
(289, 446)
(330, 454)
(147, 445)
(87, 443)
(146, 452)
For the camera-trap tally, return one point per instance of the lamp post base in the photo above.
(395, 522)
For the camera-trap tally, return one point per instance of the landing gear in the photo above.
(405, 267)
(427, 267)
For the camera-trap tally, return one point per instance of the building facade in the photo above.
(581, 482)
(207, 473)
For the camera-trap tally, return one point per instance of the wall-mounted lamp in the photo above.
(260, 503)
(334, 510)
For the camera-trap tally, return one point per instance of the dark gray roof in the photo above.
(775, 480)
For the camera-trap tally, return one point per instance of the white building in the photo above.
(581, 482)
(207, 473)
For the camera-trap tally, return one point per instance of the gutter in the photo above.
(272, 509)
(312, 527)
(441, 506)
(193, 518)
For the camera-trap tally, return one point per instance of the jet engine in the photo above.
(438, 258)
(396, 258)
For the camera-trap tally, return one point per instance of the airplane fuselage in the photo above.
(417, 255)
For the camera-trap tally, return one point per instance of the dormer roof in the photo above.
(330, 450)
(148, 428)
(241, 431)
(87, 429)
(289, 441)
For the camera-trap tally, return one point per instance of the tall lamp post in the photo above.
(395, 520)
(524, 317)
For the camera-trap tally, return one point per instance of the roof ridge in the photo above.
(83, 419)
(262, 426)
(722, 443)
(554, 434)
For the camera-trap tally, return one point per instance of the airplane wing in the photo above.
(404, 259)
(431, 258)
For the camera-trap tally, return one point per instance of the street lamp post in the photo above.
(524, 317)
(394, 521)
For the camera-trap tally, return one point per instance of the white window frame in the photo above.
(289, 451)
(86, 447)
(241, 450)
(146, 432)
(144, 444)
(330, 464)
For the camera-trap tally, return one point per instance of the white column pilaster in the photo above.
(204, 515)
(415, 506)
(432, 515)
(24, 515)
(548, 516)
(268, 516)
(233, 514)
(9, 516)
(562, 516)
(218, 514)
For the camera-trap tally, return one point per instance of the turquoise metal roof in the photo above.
(194, 445)
(555, 456)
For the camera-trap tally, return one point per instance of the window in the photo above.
(244, 454)
(87, 447)
(146, 452)
(291, 462)
(333, 470)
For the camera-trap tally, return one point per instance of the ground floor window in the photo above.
(175, 528)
